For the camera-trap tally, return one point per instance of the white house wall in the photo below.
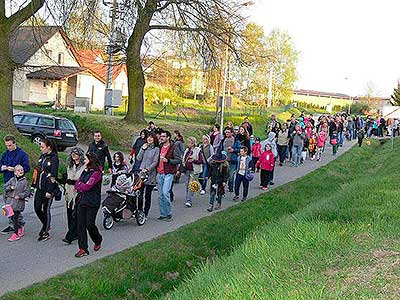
(121, 83)
(85, 85)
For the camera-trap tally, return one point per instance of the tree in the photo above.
(395, 98)
(212, 20)
(8, 26)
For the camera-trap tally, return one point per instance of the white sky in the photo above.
(354, 39)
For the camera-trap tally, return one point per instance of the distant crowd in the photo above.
(223, 161)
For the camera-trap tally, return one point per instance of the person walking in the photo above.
(46, 186)
(75, 167)
(17, 191)
(168, 161)
(219, 175)
(243, 170)
(179, 145)
(207, 151)
(321, 140)
(193, 165)
(231, 145)
(148, 157)
(136, 146)
(255, 153)
(119, 166)
(271, 140)
(215, 137)
(282, 143)
(244, 138)
(246, 124)
(266, 163)
(88, 203)
(298, 138)
(10, 158)
(100, 148)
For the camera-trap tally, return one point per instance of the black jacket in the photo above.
(102, 152)
(47, 168)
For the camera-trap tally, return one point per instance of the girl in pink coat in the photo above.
(320, 144)
(267, 163)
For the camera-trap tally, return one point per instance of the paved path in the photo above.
(39, 261)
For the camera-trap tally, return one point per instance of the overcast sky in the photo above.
(354, 39)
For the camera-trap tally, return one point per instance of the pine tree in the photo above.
(395, 98)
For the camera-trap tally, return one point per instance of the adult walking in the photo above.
(10, 158)
(215, 137)
(168, 161)
(46, 186)
(207, 151)
(75, 167)
(148, 157)
(136, 146)
(282, 143)
(88, 204)
(231, 146)
(179, 145)
(193, 165)
(246, 124)
(298, 137)
(100, 148)
(119, 166)
(244, 138)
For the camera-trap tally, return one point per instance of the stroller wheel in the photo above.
(108, 222)
(140, 218)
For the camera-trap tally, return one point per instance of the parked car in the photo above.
(38, 127)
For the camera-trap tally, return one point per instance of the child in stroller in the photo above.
(121, 201)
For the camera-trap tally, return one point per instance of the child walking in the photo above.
(267, 163)
(243, 170)
(17, 190)
(360, 137)
(321, 139)
(255, 153)
(312, 146)
(219, 175)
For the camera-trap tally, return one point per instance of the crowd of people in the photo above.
(224, 161)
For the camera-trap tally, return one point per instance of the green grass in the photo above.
(332, 234)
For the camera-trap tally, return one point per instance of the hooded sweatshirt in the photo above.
(271, 140)
(13, 158)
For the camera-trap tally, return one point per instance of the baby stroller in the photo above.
(121, 201)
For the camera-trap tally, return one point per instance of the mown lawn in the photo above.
(332, 234)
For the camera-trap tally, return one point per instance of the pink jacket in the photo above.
(321, 139)
(266, 161)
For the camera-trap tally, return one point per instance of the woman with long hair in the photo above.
(46, 185)
(119, 166)
(88, 204)
(148, 157)
(136, 146)
(75, 167)
(244, 138)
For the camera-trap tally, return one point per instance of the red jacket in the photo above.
(266, 161)
(256, 150)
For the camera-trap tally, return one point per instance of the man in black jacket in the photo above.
(100, 148)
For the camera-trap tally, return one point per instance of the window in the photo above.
(29, 120)
(48, 122)
(44, 83)
(17, 119)
(49, 53)
(61, 58)
(66, 125)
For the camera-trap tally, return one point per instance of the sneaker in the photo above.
(218, 206)
(81, 253)
(271, 183)
(21, 232)
(7, 230)
(161, 218)
(280, 164)
(244, 199)
(67, 241)
(168, 218)
(44, 237)
(236, 198)
(210, 208)
(97, 247)
(230, 190)
(188, 204)
(264, 188)
(202, 192)
(14, 237)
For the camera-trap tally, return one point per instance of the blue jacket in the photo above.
(248, 161)
(13, 158)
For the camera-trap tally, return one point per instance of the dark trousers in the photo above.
(72, 233)
(239, 180)
(16, 221)
(271, 175)
(254, 161)
(171, 192)
(145, 191)
(87, 223)
(290, 149)
(42, 209)
(360, 140)
(282, 153)
(264, 177)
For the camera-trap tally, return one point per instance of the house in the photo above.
(50, 69)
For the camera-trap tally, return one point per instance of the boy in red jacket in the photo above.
(267, 163)
(255, 153)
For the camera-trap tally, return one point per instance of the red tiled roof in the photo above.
(88, 60)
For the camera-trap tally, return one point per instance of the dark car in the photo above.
(39, 127)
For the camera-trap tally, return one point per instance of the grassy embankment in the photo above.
(332, 234)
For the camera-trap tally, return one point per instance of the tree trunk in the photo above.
(7, 68)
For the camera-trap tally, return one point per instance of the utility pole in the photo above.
(224, 89)
(271, 75)
(108, 91)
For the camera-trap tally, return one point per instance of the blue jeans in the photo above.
(238, 182)
(203, 177)
(213, 193)
(164, 200)
(340, 138)
(296, 154)
(189, 193)
(232, 171)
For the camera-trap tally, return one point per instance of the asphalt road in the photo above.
(28, 261)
